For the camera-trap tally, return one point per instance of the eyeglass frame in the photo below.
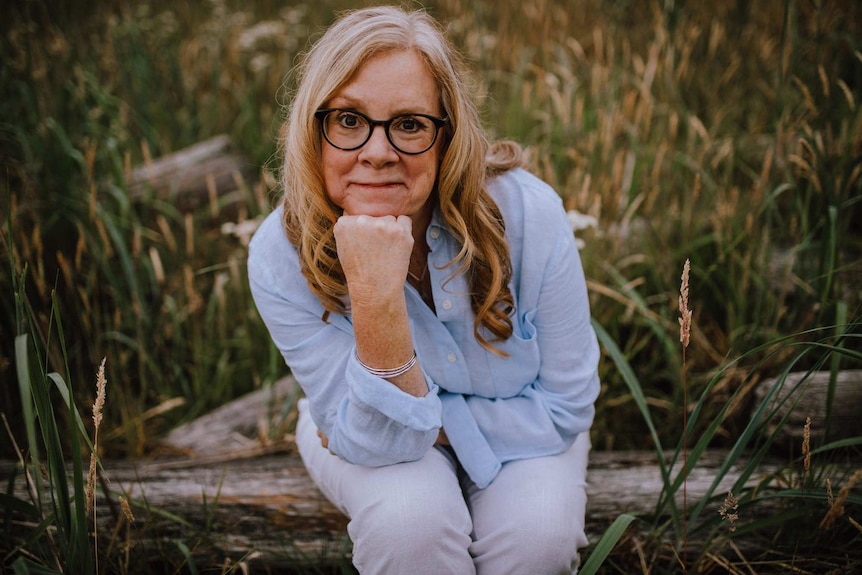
(438, 123)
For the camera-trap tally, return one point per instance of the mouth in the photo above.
(378, 184)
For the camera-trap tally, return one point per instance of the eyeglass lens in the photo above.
(348, 130)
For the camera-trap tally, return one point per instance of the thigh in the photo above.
(408, 517)
(350, 487)
(531, 518)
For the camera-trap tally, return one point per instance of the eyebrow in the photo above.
(348, 103)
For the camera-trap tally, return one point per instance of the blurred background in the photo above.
(139, 152)
(727, 133)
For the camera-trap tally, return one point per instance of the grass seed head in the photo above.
(729, 510)
(836, 508)
(127, 510)
(684, 311)
(101, 385)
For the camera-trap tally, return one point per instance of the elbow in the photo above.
(376, 451)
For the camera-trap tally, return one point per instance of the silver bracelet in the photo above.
(389, 373)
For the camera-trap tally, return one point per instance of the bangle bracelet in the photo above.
(388, 373)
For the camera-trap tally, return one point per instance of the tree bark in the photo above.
(262, 507)
(803, 394)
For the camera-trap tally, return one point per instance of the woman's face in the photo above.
(377, 179)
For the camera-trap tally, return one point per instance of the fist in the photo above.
(374, 253)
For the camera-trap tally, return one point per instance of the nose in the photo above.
(378, 149)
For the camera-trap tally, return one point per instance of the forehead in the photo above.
(390, 82)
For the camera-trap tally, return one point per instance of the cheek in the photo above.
(427, 166)
(333, 169)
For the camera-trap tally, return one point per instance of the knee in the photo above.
(537, 540)
(399, 530)
(555, 541)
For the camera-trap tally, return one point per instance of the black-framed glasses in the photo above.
(408, 133)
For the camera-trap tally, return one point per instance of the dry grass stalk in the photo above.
(98, 406)
(190, 234)
(158, 268)
(91, 482)
(684, 336)
(729, 510)
(684, 311)
(836, 508)
(127, 510)
(806, 445)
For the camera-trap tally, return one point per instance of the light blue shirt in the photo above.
(494, 409)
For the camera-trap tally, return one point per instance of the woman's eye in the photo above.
(409, 124)
(346, 120)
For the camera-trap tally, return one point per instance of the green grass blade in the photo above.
(839, 444)
(24, 384)
(63, 389)
(23, 566)
(606, 544)
(190, 560)
(18, 505)
(631, 381)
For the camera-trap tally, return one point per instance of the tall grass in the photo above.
(729, 134)
(59, 539)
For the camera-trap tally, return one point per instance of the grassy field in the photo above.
(728, 134)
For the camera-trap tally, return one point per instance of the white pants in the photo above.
(426, 517)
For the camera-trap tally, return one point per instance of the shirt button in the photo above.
(452, 358)
(435, 233)
(447, 304)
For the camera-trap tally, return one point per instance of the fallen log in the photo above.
(265, 505)
(802, 395)
(205, 173)
(244, 423)
(263, 508)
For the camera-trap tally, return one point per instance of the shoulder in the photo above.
(270, 253)
(269, 236)
(526, 202)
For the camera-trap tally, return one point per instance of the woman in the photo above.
(428, 296)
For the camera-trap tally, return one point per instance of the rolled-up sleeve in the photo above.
(368, 420)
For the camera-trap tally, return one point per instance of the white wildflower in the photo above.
(578, 222)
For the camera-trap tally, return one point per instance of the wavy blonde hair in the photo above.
(467, 160)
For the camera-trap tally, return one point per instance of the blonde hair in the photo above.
(467, 160)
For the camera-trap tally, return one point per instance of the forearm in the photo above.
(375, 255)
(383, 340)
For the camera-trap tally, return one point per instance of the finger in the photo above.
(324, 441)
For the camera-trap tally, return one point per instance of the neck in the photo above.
(421, 221)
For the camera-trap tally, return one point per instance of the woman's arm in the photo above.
(374, 253)
(366, 419)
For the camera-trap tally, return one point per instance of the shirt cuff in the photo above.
(419, 413)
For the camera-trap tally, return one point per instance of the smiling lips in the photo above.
(377, 184)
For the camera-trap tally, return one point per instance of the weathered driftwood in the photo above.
(200, 174)
(804, 394)
(239, 425)
(266, 507)
(242, 424)
(269, 504)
